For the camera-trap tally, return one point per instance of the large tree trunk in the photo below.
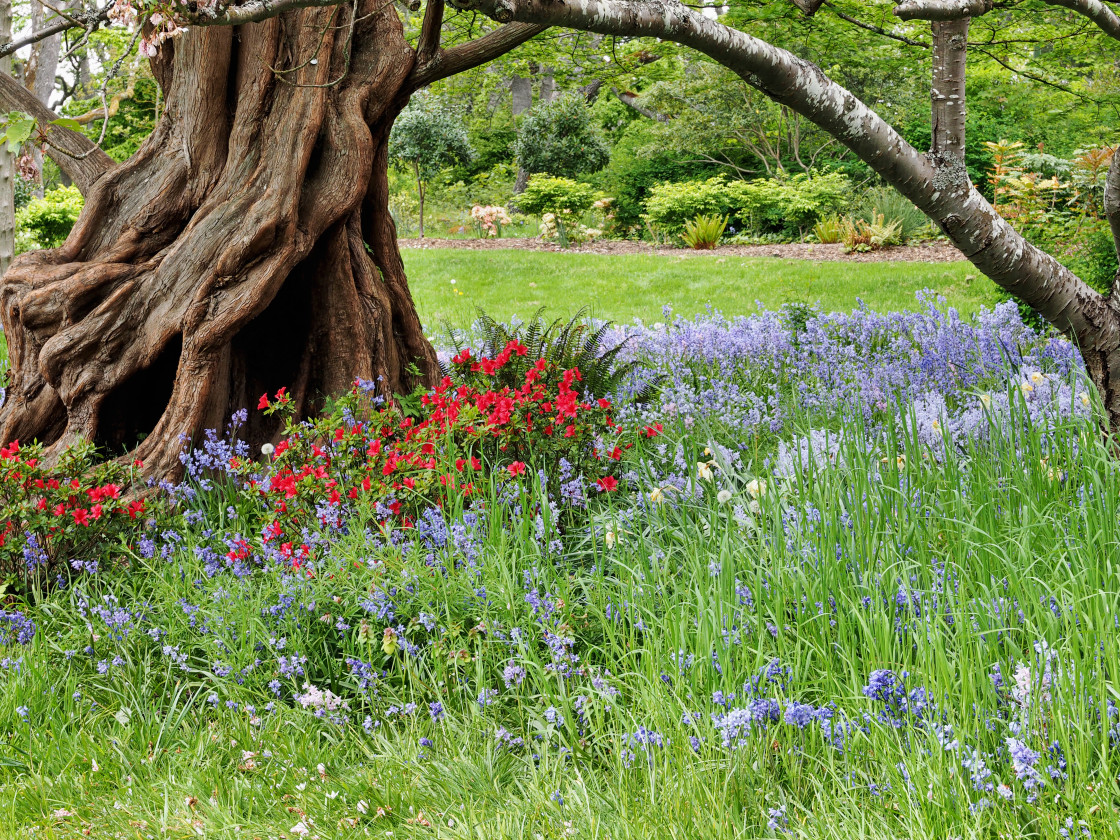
(246, 247)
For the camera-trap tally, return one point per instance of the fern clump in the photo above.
(576, 343)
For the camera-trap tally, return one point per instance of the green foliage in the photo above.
(559, 138)
(829, 230)
(788, 206)
(703, 232)
(428, 137)
(546, 194)
(637, 165)
(46, 222)
(891, 205)
(18, 127)
(671, 206)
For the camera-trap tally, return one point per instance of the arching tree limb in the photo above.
(473, 53)
(76, 155)
(630, 100)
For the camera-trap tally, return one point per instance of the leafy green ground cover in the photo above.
(512, 282)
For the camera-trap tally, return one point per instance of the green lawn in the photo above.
(450, 284)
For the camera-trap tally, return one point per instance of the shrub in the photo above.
(565, 200)
(71, 514)
(566, 344)
(670, 206)
(472, 428)
(788, 206)
(703, 232)
(46, 222)
(559, 138)
(545, 194)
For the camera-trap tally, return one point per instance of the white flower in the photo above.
(704, 471)
(363, 806)
(756, 488)
(1037, 377)
(657, 495)
(986, 400)
(267, 449)
(1084, 399)
(300, 829)
(723, 497)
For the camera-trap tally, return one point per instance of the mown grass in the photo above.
(512, 282)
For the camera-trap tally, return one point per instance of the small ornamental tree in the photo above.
(427, 137)
(559, 138)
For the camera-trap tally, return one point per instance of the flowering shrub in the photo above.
(363, 453)
(68, 515)
(490, 219)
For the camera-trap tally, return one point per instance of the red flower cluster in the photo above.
(403, 466)
(64, 508)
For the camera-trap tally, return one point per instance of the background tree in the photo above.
(428, 138)
(558, 138)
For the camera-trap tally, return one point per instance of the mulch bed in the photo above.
(932, 252)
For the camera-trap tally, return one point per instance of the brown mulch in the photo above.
(932, 252)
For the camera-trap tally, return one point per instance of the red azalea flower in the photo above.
(607, 483)
(262, 404)
(516, 468)
(81, 516)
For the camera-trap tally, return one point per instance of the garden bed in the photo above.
(933, 252)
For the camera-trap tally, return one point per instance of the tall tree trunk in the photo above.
(247, 246)
(521, 90)
(40, 71)
(950, 51)
(420, 193)
(7, 163)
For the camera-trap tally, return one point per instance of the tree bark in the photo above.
(7, 163)
(247, 246)
(1112, 206)
(39, 73)
(950, 51)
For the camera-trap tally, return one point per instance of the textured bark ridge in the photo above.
(245, 247)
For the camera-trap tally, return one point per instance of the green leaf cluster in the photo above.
(774, 205)
(46, 222)
(559, 138)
